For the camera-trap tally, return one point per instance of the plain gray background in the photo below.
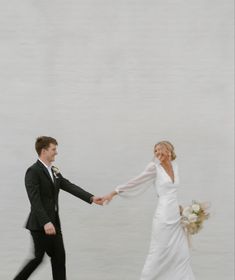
(108, 79)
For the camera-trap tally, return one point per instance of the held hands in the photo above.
(103, 200)
(108, 197)
(97, 200)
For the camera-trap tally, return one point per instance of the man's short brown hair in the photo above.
(43, 142)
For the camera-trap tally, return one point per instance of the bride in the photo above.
(168, 257)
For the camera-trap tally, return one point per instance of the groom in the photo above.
(43, 183)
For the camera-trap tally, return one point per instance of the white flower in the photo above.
(196, 207)
(192, 218)
(187, 211)
(184, 221)
(55, 170)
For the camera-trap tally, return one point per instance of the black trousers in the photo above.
(54, 247)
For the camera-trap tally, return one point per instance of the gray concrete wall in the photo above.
(108, 79)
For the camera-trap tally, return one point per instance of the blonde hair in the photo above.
(169, 147)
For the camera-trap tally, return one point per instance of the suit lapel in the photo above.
(55, 182)
(46, 172)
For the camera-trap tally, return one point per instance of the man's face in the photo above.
(50, 152)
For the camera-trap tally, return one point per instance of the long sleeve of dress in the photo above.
(138, 184)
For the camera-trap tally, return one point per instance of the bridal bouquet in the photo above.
(194, 215)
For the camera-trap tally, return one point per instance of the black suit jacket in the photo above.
(43, 195)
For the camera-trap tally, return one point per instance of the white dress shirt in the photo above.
(48, 168)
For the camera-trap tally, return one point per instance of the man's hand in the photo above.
(49, 229)
(97, 200)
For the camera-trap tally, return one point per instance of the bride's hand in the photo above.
(108, 197)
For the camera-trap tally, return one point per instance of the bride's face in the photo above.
(161, 153)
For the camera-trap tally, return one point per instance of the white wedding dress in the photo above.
(168, 257)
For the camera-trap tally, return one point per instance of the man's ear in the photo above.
(43, 151)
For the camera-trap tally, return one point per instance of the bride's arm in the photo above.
(136, 185)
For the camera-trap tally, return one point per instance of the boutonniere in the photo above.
(55, 170)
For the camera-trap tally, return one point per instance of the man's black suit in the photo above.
(43, 194)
